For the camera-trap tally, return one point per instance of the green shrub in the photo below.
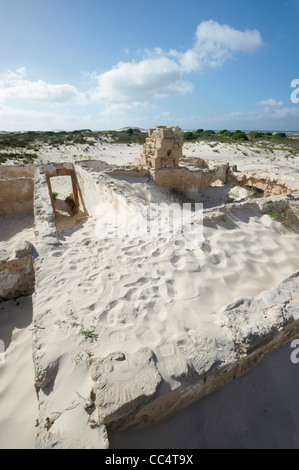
(199, 131)
(280, 135)
(210, 132)
(90, 334)
(227, 134)
(255, 135)
(189, 135)
(129, 131)
(238, 135)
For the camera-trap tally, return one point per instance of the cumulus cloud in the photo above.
(161, 74)
(14, 85)
(270, 102)
(214, 44)
(151, 78)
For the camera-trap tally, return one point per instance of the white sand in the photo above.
(267, 157)
(18, 403)
(14, 228)
(257, 411)
(140, 292)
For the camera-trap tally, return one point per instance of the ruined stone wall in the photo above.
(163, 147)
(44, 218)
(185, 179)
(93, 192)
(270, 184)
(16, 272)
(16, 171)
(16, 195)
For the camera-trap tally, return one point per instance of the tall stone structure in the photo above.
(163, 147)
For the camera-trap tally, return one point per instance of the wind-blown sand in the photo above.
(18, 403)
(14, 228)
(136, 292)
(257, 411)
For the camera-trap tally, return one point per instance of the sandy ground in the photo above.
(266, 157)
(257, 411)
(136, 292)
(18, 403)
(14, 228)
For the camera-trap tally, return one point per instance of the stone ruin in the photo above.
(163, 148)
(130, 388)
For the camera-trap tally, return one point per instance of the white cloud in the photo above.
(270, 102)
(121, 109)
(214, 44)
(279, 118)
(161, 74)
(151, 78)
(14, 85)
(13, 119)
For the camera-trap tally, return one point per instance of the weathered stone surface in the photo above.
(123, 382)
(45, 376)
(4, 256)
(253, 322)
(44, 219)
(270, 184)
(188, 179)
(16, 276)
(24, 249)
(163, 148)
(16, 195)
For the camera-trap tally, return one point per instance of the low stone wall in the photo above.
(270, 184)
(44, 219)
(138, 173)
(16, 272)
(94, 188)
(16, 195)
(16, 171)
(194, 180)
(255, 327)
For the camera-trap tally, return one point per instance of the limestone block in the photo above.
(24, 249)
(253, 322)
(4, 256)
(161, 153)
(44, 376)
(123, 382)
(165, 143)
(167, 133)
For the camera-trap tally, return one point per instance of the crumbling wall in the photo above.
(270, 184)
(44, 219)
(163, 147)
(16, 271)
(16, 195)
(16, 171)
(185, 179)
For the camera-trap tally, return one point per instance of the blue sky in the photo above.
(212, 64)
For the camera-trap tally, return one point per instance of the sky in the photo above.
(105, 64)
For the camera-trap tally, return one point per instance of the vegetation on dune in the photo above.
(256, 137)
(29, 143)
(23, 147)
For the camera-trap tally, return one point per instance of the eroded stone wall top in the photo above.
(163, 147)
